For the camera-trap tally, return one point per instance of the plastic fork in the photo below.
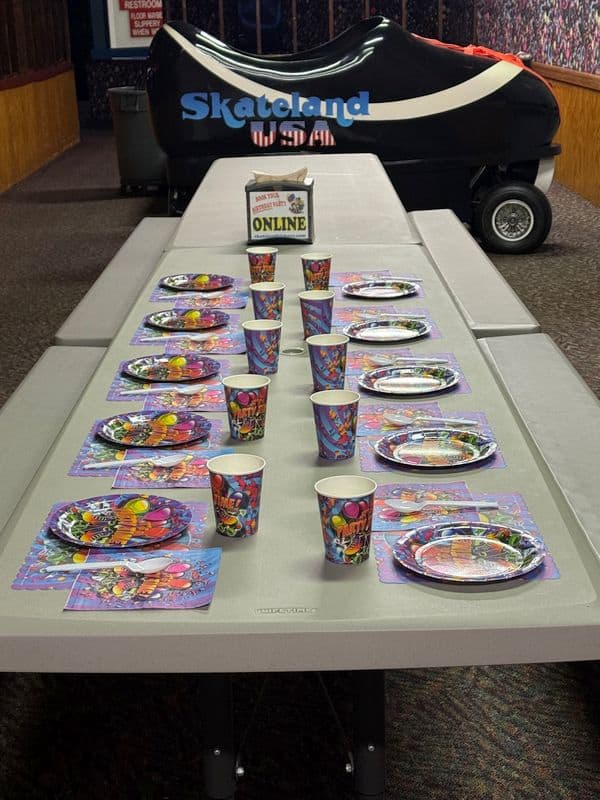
(401, 419)
(389, 361)
(408, 507)
(158, 461)
(145, 567)
(185, 390)
(194, 337)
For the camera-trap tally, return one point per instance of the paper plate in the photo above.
(184, 319)
(387, 330)
(408, 380)
(467, 552)
(197, 282)
(118, 521)
(154, 428)
(172, 368)
(435, 447)
(381, 288)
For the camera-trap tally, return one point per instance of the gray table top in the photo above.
(278, 605)
(354, 201)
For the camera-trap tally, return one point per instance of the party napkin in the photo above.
(371, 462)
(512, 511)
(191, 473)
(48, 549)
(231, 343)
(146, 334)
(189, 582)
(123, 383)
(95, 449)
(371, 421)
(345, 315)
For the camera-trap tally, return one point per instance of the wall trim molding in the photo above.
(585, 79)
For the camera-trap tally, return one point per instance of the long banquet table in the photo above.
(278, 605)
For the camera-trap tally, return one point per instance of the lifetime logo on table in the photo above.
(296, 113)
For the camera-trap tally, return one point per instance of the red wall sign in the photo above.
(145, 16)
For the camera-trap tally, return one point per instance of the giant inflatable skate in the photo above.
(460, 128)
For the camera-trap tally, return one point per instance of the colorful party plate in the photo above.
(408, 380)
(387, 330)
(120, 520)
(197, 282)
(186, 319)
(382, 288)
(172, 368)
(154, 428)
(435, 447)
(467, 552)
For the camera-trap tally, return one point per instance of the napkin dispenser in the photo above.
(279, 208)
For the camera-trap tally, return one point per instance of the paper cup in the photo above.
(261, 261)
(316, 268)
(246, 400)
(262, 345)
(267, 299)
(335, 413)
(327, 354)
(346, 509)
(317, 309)
(235, 482)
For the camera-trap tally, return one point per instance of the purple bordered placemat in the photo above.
(122, 383)
(512, 511)
(47, 549)
(96, 449)
(158, 336)
(370, 461)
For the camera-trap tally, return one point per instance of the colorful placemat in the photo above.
(189, 474)
(236, 297)
(341, 278)
(372, 423)
(231, 344)
(124, 383)
(146, 334)
(48, 549)
(189, 582)
(95, 449)
(213, 399)
(371, 462)
(512, 511)
(345, 315)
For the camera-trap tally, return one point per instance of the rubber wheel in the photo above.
(512, 218)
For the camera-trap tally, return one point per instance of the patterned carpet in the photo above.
(483, 733)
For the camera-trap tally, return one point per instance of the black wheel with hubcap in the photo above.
(512, 218)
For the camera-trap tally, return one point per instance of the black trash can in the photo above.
(142, 164)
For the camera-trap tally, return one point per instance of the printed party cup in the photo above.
(327, 360)
(261, 261)
(262, 345)
(267, 299)
(235, 482)
(317, 308)
(335, 413)
(316, 267)
(246, 399)
(346, 509)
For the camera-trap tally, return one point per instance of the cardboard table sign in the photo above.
(280, 208)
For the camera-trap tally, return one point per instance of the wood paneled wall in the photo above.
(578, 166)
(578, 94)
(38, 121)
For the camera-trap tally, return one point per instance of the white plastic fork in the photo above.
(390, 361)
(195, 337)
(370, 316)
(408, 507)
(400, 419)
(145, 567)
(157, 461)
(391, 278)
(185, 390)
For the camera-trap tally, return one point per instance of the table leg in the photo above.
(218, 751)
(369, 734)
